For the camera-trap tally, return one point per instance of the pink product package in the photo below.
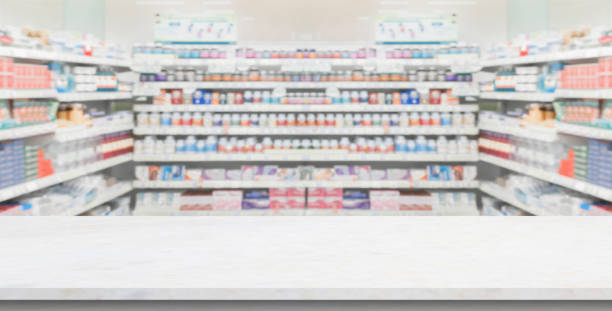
(296, 192)
(227, 200)
(278, 192)
(384, 200)
(296, 202)
(325, 198)
(278, 202)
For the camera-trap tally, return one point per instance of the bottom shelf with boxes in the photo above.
(305, 201)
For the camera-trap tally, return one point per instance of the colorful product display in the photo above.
(590, 112)
(205, 97)
(422, 74)
(170, 145)
(305, 173)
(20, 163)
(525, 79)
(583, 162)
(19, 112)
(302, 198)
(69, 79)
(208, 119)
(588, 76)
(23, 76)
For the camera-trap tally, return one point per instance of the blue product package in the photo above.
(256, 194)
(413, 97)
(356, 204)
(198, 97)
(248, 204)
(419, 147)
(178, 172)
(445, 173)
(355, 194)
(433, 172)
(445, 120)
(166, 172)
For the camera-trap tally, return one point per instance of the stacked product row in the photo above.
(305, 173)
(22, 112)
(23, 76)
(306, 198)
(588, 76)
(590, 112)
(20, 162)
(536, 115)
(590, 162)
(208, 119)
(86, 79)
(525, 79)
(421, 74)
(441, 145)
(207, 97)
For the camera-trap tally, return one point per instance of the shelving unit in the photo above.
(81, 132)
(533, 132)
(518, 96)
(42, 55)
(565, 93)
(306, 108)
(550, 57)
(303, 212)
(27, 131)
(92, 96)
(503, 195)
(25, 93)
(239, 184)
(305, 85)
(570, 183)
(344, 62)
(41, 183)
(65, 134)
(584, 131)
(306, 157)
(115, 192)
(303, 130)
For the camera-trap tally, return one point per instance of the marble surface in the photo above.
(305, 258)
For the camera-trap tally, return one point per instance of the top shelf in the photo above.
(549, 57)
(61, 57)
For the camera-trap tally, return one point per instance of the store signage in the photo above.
(399, 27)
(206, 28)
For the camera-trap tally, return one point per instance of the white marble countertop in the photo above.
(305, 258)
